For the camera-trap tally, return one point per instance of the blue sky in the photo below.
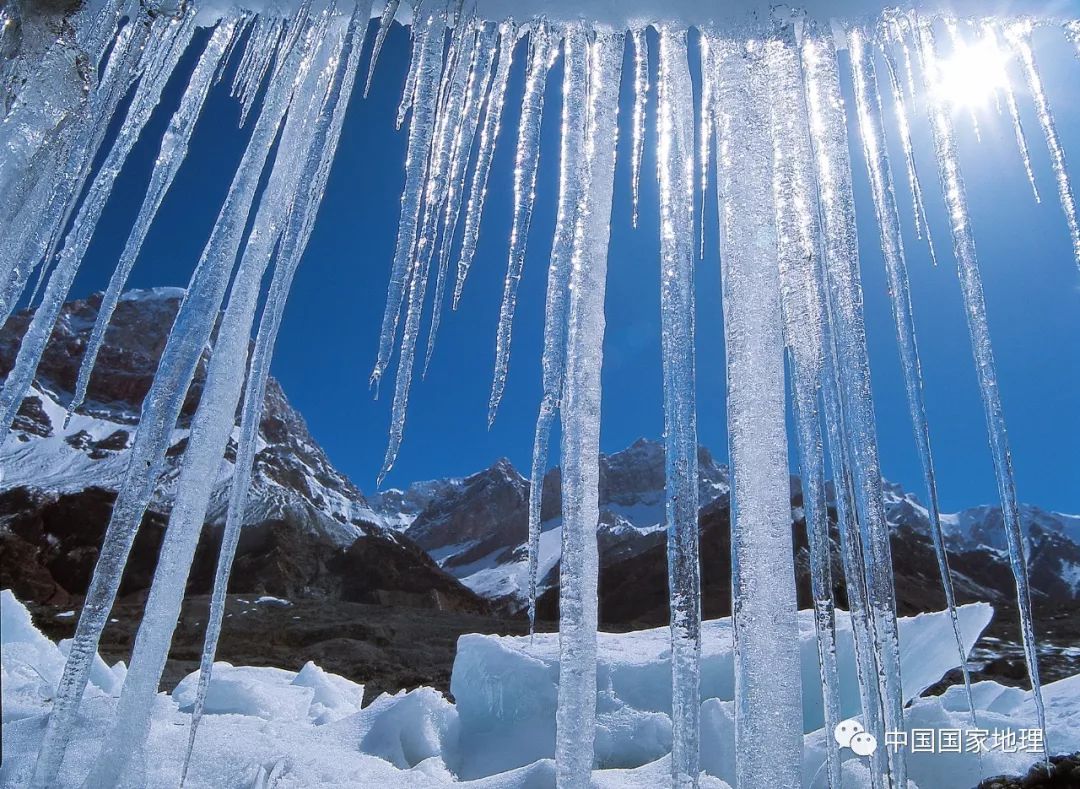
(329, 335)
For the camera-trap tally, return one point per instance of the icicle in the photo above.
(641, 92)
(903, 126)
(843, 282)
(705, 127)
(161, 406)
(952, 184)
(768, 707)
(263, 45)
(840, 247)
(420, 44)
(488, 136)
(385, 21)
(798, 237)
(483, 52)
(174, 146)
(171, 36)
(1019, 35)
(872, 133)
(294, 240)
(576, 713)
(239, 24)
(1014, 115)
(525, 162)
(675, 175)
(38, 226)
(427, 57)
(448, 117)
(572, 176)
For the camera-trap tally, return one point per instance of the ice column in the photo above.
(768, 704)
(798, 253)
(675, 173)
(576, 712)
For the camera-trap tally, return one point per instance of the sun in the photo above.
(973, 73)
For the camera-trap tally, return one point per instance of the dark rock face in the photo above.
(308, 530)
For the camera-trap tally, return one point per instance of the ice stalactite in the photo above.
(259, 52)
(190, 332)
(845, 294)
(572, 177)
(31, 235)
(387, 18)
(675, 174)
(641, 94)
(173, 150)
(297, 230)
(447, 120)
(879, 170)
(1019, 36)
(576, 712)
(483, 53)
(427, 66)
(903, 127)
(170, 41)
(799, 259)
(214, 419)
(952, 186)
(420, 33)
(768, 705)
(1014, 115)
(543, 43)
(489, 134)
(840, 249)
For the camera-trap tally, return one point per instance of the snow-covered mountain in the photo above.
(476, 528)
(306, 523)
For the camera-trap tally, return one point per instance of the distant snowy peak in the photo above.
(293, 476)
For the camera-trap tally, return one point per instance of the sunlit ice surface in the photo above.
(974, 72)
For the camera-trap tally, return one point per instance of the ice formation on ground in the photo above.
(772, 111)
(306, 728)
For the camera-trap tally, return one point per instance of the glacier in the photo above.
(772, 113)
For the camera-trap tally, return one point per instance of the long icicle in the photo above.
(525, 163)
(575, 717)
(38, 227)
(420, 35)
(174, 37)
(1019, 35)
(448, 118)
(879, 170)
(952, 184)
(174, 146)
(488, 136)
(427, 56)
(798, 244)
(483, 53)
(572, 177)
(1014, 115)
(828, 134)
(294, 240)
(387, 18)
(121, 753)
(675, 175)
(161, 407)
(641, 94)
(768, 706)
(903, 126)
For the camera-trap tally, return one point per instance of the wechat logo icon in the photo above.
(851, 734)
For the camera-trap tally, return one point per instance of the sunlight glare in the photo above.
(973, 73)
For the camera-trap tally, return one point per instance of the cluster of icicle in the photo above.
(772, 117)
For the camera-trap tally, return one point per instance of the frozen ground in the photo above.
(271, 727)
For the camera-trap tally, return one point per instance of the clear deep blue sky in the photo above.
(328, 339)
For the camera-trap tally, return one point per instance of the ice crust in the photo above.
(307, 728)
